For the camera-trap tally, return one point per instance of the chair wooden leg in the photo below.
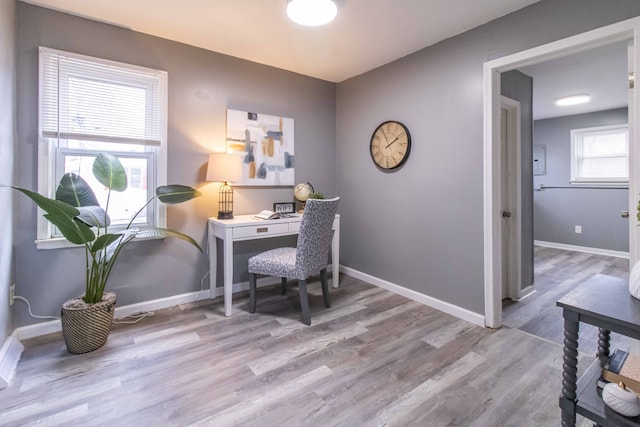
(325, 287)
(252, 292)
(304, 302)
(284, 286)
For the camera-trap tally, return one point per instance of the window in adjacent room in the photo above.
(600, 155)
(90, 105)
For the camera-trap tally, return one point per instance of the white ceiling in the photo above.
(601, 73)
(366, 33)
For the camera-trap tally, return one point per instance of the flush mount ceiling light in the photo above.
(312, 13)
(573, 100)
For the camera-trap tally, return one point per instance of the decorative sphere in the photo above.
(621, 399)
(302, 191)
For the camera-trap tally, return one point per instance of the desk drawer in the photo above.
(260, 230)
(294, 227)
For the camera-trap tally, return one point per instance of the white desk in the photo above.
(247, 227)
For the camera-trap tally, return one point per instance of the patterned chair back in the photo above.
(314, 236)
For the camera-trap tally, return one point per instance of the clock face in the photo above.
(390, 145)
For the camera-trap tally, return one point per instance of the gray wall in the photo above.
(519, 86)
(557, 211)
(421, 227)
(7, 142)
(202, 84)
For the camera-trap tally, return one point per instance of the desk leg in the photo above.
(335, 255)
(604, 344)
(570, 369)
(213, 262)
(228, 271)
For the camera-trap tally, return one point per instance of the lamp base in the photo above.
(225, 215)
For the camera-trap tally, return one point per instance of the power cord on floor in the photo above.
(135, 318)
(15, 297)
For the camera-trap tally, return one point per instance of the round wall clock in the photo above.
(390, 145)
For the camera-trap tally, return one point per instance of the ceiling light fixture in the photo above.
(312, 13)
(573, 100)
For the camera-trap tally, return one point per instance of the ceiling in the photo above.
(366, 33)
(600, 72)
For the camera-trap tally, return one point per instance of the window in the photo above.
(90, 105)
(600, 155)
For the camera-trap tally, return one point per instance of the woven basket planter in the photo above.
(86, 327)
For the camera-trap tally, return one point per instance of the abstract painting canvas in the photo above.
(266, 146)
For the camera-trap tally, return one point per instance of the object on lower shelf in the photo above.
(621, 399)
(624, 367)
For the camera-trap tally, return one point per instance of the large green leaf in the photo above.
(109, 172)
(104, 241)
(126, 236)
(75, 191)
(93, 216)
(155, 232)
(62, 215)
(173, 194)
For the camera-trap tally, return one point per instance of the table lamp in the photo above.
(224, 168)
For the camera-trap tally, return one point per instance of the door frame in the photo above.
(628, 30)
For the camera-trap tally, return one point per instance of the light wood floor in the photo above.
(556, 273)
(374, 358)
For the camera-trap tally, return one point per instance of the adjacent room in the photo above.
(316, 215)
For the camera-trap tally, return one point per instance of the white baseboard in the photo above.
(444, 306)
(607, 252)
(44, 328)
(9, 356)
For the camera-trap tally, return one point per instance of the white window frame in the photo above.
(50, 153)
(577, 136)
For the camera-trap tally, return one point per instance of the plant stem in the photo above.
(138, 213)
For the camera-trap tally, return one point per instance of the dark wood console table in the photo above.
(605, 302)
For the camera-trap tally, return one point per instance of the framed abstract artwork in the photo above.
(266, 145)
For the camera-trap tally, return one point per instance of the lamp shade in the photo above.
(224, 167)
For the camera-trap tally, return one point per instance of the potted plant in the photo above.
(76, 212)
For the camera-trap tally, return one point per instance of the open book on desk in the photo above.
(266, 214)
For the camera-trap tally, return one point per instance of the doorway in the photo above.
(493, 191)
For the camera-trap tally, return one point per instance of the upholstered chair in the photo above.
(308, 258)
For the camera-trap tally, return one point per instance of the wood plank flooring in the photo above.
(372, 359)
(556, 273)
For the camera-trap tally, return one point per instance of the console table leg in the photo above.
(570, 371)
(604, 344)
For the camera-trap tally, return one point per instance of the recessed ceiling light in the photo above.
(312, 13)
(573, 100)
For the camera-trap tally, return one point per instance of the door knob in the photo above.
(506, 214)
(624, 214)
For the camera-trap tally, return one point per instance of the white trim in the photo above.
(597, 251)
(454, 310)
(44, 328)
(9, 356)
(621, 31)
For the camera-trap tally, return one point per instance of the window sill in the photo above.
(605, 184)
(62, 243)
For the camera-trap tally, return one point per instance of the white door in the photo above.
(510, 190)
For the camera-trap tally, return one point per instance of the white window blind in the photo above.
(600, 154)
(98, 100)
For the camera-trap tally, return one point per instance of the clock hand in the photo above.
(384, 134)
(389, 144)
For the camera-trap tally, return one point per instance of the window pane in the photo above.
(614, 167)
(604, 144)
(122, 205)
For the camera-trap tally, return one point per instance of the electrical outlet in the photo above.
(12, 293)
(578, 229)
